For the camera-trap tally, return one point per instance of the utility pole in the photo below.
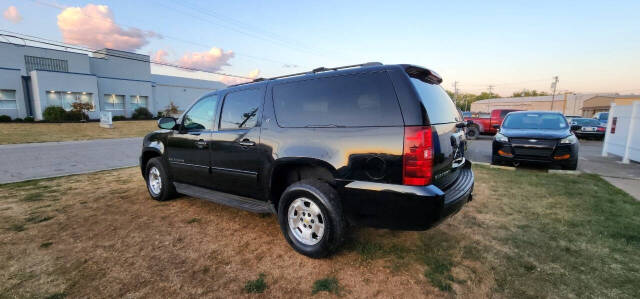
(554, 85)
(490, 96)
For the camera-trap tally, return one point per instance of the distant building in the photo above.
(603, 103)
(567, 103)
(34, 78)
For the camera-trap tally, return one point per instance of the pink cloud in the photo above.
(160, 56)
(211, 60)
(93, 26)
(12, 14)
(233, 80)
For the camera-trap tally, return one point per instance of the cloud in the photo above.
(12, 14)
(93, 26)
(211, 60)
(160, 56)
(233, 80)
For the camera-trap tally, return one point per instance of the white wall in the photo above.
(120, 68)
(10, 79)
(43, 81)
(126, 88)
(12, 56)
(625, 142)
(181, 91)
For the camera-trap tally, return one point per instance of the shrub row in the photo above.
(7, 118)
(58, 114)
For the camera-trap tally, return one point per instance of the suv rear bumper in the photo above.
(405, 207)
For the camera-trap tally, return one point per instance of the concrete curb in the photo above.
(558, 171)
(68, 174)
(503, 167)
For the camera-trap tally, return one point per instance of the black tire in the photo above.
(167, 190)
(573, 165)
(326, 198)
(472, 132)
(495, 160)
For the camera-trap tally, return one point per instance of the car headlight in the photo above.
(571, 139)
(501, 138)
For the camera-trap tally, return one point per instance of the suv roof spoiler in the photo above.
(314, 71)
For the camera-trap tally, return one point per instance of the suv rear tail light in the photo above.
(417, 158)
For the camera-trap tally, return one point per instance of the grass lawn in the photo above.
(11, 133)
(525, 234)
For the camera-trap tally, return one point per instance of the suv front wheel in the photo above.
(310, 216)
(158, 183)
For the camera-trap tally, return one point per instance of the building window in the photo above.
(113, 102)
(45, 64)
(138, 101)
(66, 99)
(8, 99)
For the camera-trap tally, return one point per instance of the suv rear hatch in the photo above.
(447, 141)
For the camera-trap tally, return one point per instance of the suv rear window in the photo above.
(440, 108)
(359, 100)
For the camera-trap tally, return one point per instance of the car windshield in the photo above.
(549, 121)
(586, 122)
(603, 116)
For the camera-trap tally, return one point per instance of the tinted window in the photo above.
(548, 121)
(437, 102)
(240, 109)
(586, 122)
(200, 116)
(352, 100)
(603, 116)
(503, 113)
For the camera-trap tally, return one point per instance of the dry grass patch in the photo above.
(45, 132)
(81, 239)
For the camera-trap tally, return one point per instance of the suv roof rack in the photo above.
(314, 71)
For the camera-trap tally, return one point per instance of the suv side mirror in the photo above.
(167, 123)
(575, 127)
(496, 127)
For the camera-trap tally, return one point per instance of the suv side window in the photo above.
(240, 109)
(350, 100)
(201, 116)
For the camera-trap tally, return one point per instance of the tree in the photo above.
(171, 109)
(529, 93)
(81, 108)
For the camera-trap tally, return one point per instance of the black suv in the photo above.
(370, 144)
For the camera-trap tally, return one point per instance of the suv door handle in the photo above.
(201, 143)
(246, 142)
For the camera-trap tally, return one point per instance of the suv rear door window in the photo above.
(240, 109)
(440, 108)
(359, 100)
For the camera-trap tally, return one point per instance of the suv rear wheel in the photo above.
(310, 216)
(158, 183)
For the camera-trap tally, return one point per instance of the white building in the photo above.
(33, 78)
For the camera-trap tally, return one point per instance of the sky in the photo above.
(592, 46)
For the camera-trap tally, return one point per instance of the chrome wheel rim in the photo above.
(155, 181)
(306, 221)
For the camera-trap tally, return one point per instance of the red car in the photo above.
(485, 123)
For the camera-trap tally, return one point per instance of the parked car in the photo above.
(571, 117)
(588, 128)
(484, 123)
(602, 117)
(536, 136)
(371, 144)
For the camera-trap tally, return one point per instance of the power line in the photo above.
(90, 50)
(289, 64)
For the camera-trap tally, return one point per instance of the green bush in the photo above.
(118, 117)
(18, 120)
(29, 119)
(74, 115)
(54, 113)
(141, 113)
(5, 118)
